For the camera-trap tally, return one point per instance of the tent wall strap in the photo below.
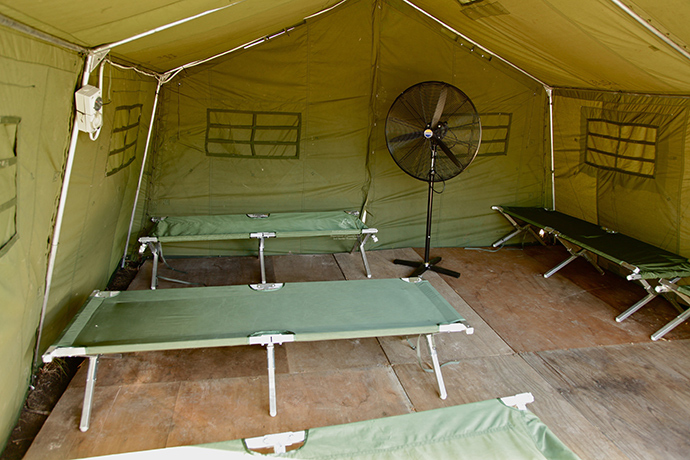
(141, 172)
(55, 240)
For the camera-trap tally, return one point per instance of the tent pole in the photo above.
(60, 214)
(141, 172)
(549, 92)
(468, 39)
(644, 23)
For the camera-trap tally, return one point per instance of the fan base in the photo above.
(421, 267)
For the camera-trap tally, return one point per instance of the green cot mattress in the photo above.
(239, 226)
(651, 261)
(130, 321)
(485, 430)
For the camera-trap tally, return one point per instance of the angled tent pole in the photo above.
(656, 32)
(547, 88)
(143, 167)
(90, 63)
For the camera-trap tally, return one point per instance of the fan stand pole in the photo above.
(428, 264)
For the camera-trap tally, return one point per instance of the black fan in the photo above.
(433, 133)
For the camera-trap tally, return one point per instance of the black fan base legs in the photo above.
(421, 267)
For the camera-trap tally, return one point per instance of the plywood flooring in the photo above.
(603, 387)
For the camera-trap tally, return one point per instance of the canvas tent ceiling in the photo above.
(591, 44)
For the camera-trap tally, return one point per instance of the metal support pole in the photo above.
(364, 254)
(57, 229)
(141, 172)
(437, 366)
(549, 93)
(154, 269)
(273, 411)
(261, 259)
(88, 393)
(641, 303)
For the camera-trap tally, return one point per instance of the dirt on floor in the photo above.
(48, 385)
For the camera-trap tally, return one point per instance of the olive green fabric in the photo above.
(101, 196)
(36, 90)
(483, 430)
(585, 44)
(228, 315)
(486, 430)
(647, 207)
(343, 160)
(652, 262)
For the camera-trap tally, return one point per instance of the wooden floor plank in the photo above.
(639, 395)
(218, 410)
(601, 386)
(478, 379)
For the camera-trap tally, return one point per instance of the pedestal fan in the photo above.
(433, 133)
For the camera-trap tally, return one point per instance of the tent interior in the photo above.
(584, 108)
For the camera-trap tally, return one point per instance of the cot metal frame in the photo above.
(661, 287)
(155, 246)
(269, 340)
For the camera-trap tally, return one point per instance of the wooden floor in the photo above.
(602, 387)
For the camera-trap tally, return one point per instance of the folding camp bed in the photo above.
(497, 429)
(644, 261)
(201, 317)
(336, 224)
(683, 292)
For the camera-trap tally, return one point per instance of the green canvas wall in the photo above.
(36, 90)
(341, 72)
(101, 196)
(646, 200)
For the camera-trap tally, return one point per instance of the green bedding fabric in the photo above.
(237, 226)
(228, 315)
(652, 261)
(486, 430)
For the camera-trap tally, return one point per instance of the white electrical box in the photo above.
(89, 103)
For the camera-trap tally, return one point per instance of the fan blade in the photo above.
(440, 105)
(408, 137)
(448, 153)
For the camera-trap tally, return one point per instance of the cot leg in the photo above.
(437, 366)
(651, 295)
(273, 411)
(88, 393)
(261, 259)
(364, 255)
(154, 268)
(679, 319)
(561, 265)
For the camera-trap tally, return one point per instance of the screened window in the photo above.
(8, 182)
(624, 147)
(235, 133)
(123, 142)
(495, 134)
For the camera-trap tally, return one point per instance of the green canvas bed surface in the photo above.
(644, 261)
(257, 226)
(482, 430)
(132, 321)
